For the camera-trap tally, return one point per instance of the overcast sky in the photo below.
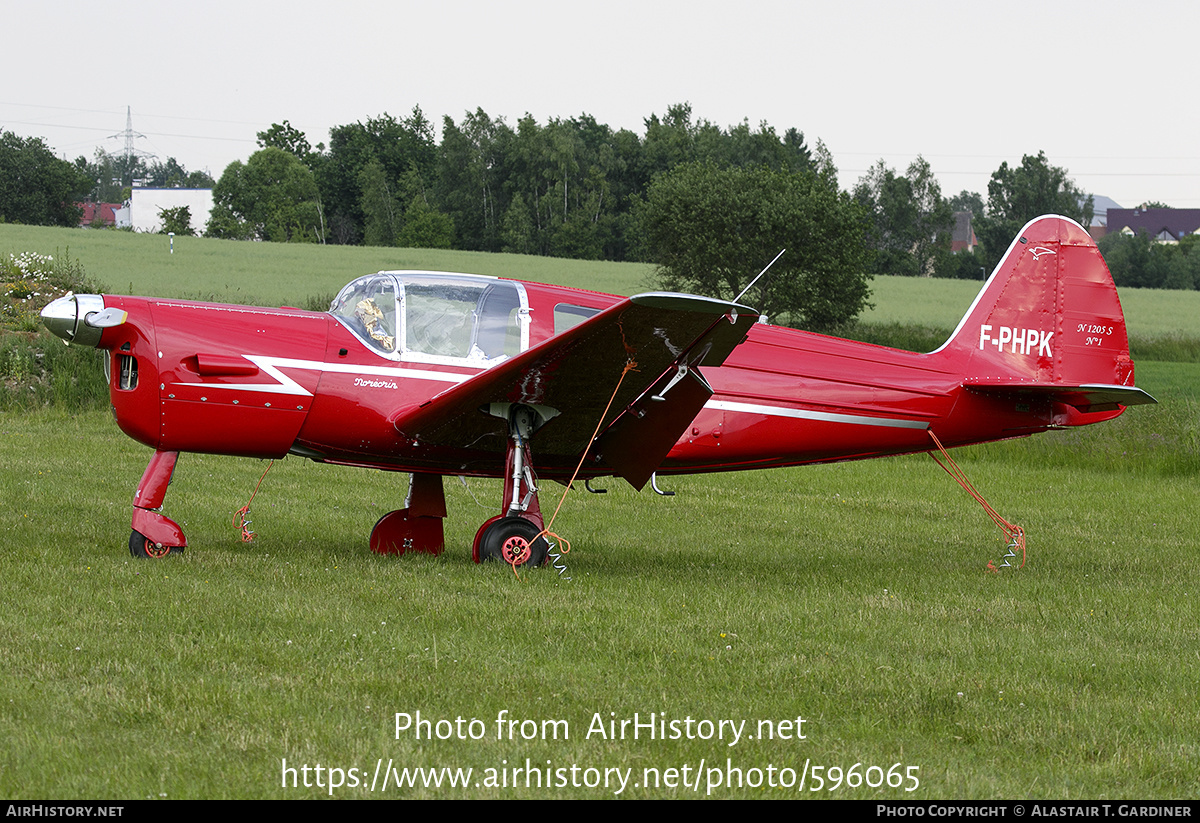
(1107, 89)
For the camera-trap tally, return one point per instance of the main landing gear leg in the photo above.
(512, 537)
(155, 535)
(418, 526)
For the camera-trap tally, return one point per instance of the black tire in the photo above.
(517, 529)
(143, 548)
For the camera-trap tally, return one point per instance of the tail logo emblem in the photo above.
(1039, 251)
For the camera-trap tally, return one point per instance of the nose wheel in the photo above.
(144, 548)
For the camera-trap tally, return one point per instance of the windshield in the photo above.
(434, 317)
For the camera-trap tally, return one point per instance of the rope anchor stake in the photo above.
(241, 518)
(1015, 535)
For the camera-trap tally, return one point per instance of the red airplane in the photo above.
(451, 374)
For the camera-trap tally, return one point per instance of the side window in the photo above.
(567, 316)
(498, 331)
(438, 319)
(368, 307)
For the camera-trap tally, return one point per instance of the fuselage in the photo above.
(259, 382)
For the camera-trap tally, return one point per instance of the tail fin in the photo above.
(1048, 321)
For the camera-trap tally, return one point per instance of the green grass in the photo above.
(854, 595)
(1162, 440)
(279, 273)
(282, 273)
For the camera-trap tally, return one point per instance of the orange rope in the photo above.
(240, 519)
(1015, 534)
(630, 365)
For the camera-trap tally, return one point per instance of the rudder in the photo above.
(1049, 316)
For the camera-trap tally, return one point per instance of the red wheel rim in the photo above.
(515, 550)
(156, 551)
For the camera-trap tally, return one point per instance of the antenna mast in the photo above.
(760, 274)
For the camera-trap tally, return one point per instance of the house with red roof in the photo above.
(104, 214)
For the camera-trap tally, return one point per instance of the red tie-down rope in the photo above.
(1014, 533)
(241, 518)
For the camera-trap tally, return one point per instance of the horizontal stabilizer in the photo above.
(1084, 398)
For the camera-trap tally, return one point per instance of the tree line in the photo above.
(710, 205)
(37, 188)
(570, 187)
(574, 187)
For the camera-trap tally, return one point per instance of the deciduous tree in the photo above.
(272, 196)
(711, 231)
(399, 145)
(425, 227)
(176, 220)
(1137, 261)
(1017, 195)
(36, 187)
(381, 213)
(471, 170)
(967, 201)
(910, 221)
(289, 138)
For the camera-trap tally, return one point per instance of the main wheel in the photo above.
(511, 537)
(144, 548)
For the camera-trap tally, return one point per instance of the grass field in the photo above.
(852, 595)
(281, 273)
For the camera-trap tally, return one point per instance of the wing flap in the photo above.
(635, 445)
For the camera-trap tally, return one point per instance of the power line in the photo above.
(117, 111)
(147, 134)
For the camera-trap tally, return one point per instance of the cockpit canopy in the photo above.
(436, 317)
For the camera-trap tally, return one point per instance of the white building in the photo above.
(147, 204)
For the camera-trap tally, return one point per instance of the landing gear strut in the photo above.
(513, 536)
(155, 535)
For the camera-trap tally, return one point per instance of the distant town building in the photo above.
(104, 214)
(963, 238)
(1164, 225)
(1101, 206)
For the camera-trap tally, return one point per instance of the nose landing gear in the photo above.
(155, 535)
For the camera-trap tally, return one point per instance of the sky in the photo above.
(1106, 89)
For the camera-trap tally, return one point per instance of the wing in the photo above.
(572, 377)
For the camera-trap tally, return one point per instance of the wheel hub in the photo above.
(515, 550)
(157, 550)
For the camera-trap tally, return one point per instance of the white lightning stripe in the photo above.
(827, 417)
(286, 385)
